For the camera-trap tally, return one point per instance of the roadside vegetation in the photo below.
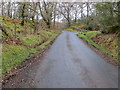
(19, 44)
(13, 55)
(100, 27)
(104, 43)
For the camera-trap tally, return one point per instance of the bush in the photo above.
(112, 29)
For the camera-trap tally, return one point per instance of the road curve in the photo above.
(72, 64)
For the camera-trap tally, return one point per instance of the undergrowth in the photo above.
(21, 42)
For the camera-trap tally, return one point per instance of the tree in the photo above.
(54, 13)
(118, 8)
(76, 11)
(46, 9)
(65, 9)
(2, 5)
(23, 6)
(81, 9)
(9, 9)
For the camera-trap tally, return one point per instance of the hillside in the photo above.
(19, 42)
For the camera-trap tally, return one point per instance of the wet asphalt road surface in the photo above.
(70, 63)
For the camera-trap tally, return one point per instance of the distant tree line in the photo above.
(103, 16)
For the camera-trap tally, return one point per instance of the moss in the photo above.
(92, 33)
(14, 55)
(9, 27)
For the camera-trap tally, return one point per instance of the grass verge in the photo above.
(14, 55)
(87, 36)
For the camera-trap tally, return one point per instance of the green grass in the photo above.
(14, 55)
(31, 40)
(18, 46)
(70, 29)
(87, 37)
(92, 33)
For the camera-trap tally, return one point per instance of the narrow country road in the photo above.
(72, 64)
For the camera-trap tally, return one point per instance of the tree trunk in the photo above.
(23, 18)
(118, 5)
(87, 8)
(54, 17)
(69, 23)
(48, 24)
(2, 8)
(87, 13)
(81, 11)
(8, 12)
